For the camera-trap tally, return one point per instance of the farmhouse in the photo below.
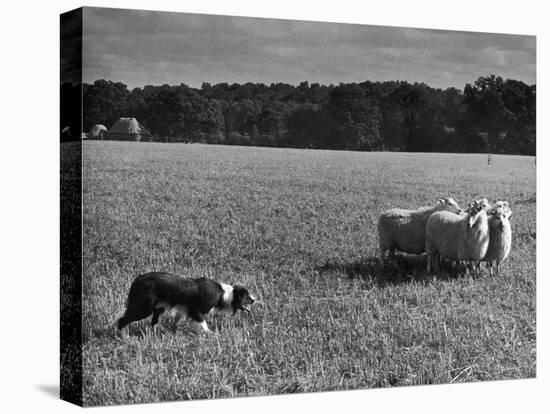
(128, 129)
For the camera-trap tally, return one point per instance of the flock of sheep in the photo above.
(481, 233)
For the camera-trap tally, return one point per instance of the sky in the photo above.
(142, 48)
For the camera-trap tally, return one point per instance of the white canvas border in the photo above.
(30, 202)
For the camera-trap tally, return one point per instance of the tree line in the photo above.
(491, 115)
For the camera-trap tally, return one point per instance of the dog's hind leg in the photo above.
(137, 310)
(132, 315)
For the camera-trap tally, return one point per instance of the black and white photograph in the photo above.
(264, 206)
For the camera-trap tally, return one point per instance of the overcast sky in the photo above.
(153, 48)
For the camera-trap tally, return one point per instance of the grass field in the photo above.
(298, 228)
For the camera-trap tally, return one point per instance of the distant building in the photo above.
(97, 132)
(66, 134)
(128, 129)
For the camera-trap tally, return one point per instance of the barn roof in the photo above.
(129, 126)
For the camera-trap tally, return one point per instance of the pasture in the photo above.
(298, 228)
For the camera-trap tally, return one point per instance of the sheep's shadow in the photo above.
(398, 270)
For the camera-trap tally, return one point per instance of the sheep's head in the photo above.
(501, 215)
(449, 204)
(484, 203)
(504, 206)
(475, 209)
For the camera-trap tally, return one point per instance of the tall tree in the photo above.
(104, 102)
(354, 117)
(486, 109)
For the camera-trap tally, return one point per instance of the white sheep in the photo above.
(458, 237)
(484, 203)
(502, 205)
(500, 236)
(405, 230)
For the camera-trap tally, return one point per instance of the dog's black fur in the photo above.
(156, 292)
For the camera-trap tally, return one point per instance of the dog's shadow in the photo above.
(396, 271)
(142, 330)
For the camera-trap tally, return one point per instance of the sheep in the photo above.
(504, 206)
(490, 210)
(500, 236)
(484, 203)
(405, 230)
(456, 236)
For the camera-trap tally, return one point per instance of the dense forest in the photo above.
(490, 115)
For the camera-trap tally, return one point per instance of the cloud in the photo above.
(142, 47)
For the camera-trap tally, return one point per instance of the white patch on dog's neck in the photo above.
(227, 294)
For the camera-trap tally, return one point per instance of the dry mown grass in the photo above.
(298, 228)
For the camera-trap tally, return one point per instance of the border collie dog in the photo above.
(157, 292)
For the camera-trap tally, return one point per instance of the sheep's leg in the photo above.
(473, 267)
(429, 268)
(496, 271)
(391, 255)
(381, 257)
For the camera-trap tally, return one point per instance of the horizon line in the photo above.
(292, 84)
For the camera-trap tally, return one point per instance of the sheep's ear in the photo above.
(441, 200)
